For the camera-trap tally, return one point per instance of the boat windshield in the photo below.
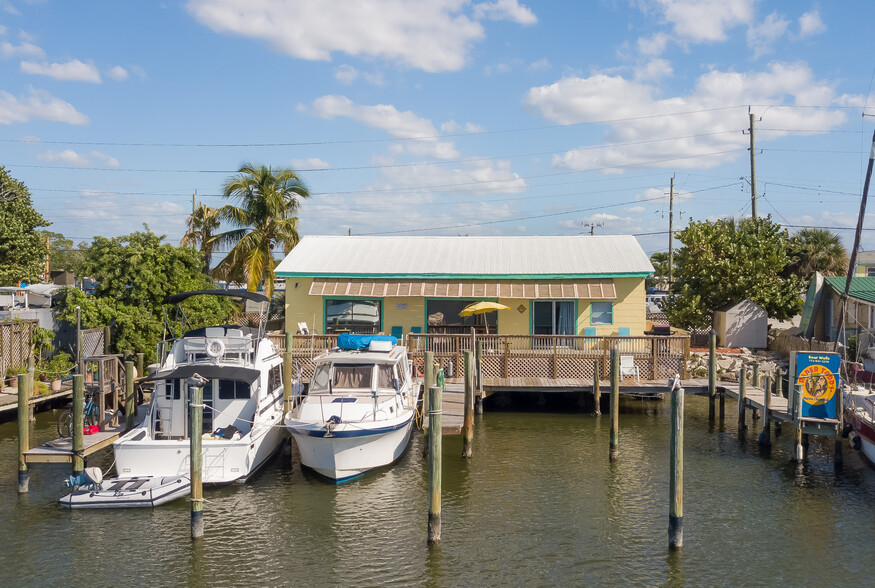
(385, 377)
(353, 376)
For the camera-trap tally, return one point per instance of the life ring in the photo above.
(215, 348)
(417, 367)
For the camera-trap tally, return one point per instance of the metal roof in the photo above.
(861, 288)
(467, 257)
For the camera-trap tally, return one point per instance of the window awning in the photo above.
(531, 290)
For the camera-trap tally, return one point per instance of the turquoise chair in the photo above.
(398, 332)
(416, 329)
(624, 332)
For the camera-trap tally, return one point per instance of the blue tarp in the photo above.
(349, 341)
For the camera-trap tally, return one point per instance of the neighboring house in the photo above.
(743, 324)
(865, 264)
(580, 285)
(33, 302)
(823, 307)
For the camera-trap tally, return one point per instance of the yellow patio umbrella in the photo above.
(482, 307)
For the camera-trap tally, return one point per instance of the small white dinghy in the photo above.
(92, 491)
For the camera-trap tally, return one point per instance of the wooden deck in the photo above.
(453, 403)
(9, 399)
(61, 450)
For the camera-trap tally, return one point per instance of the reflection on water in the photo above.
(539, 504)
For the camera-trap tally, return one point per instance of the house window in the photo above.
(553, 317)
(353, 316)
(443, 317)
(601, 313)
(870, 271)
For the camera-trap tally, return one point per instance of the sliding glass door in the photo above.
(553, 317)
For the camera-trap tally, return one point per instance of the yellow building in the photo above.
(580, 285)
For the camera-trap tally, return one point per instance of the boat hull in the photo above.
(132, 492)
(350, 450)
(858, 412)
(223, 461)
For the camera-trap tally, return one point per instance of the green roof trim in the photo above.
(861, 288)
(462, 276)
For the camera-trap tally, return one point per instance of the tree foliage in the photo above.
(134, 274)
(201, 227)
(265, 218)
(816, 250)
(22, 249)
(724, 262)
(63, 255)
(660, 269)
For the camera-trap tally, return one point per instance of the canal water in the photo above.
(538, 505)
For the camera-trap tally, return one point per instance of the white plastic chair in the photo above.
(302, 329)
(628, 367)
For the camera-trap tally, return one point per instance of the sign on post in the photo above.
(818, 374)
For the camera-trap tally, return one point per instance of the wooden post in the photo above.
(195, 434)
(779, 392)
(797, 412)
(141, 360)
(468, 427)
(742, 398)
(78, 424)
(478, 409)
(838, 457)
(712, 372)
(756, 375)
(130, 399)
(615, 405)
(23, 435)
(655, 365)
(428, 377)
(106, 340)
(685, 369)
(80, 356)
(722, 404)
(287, 381)
(30, 382)
(555, 357)
(676, 482)
(434, 464)
(765, 439)
(596, 390)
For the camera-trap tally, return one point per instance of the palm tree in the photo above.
(268, 202)
(200, 229)
(817, 250)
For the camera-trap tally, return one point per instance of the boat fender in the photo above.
(846, 430)
(856, 442)
(215, 348)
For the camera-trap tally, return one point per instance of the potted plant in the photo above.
(56, 368)
(12, 375)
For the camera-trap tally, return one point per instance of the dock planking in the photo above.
(61, 450)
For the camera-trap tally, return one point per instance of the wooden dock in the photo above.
(9, 399)
(453, 409)
(61, 450)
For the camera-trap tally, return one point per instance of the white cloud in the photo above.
(71, 71)
(635, 209)
(38, 104)
(475, 176)
(309, 164)
(763, 36)
(118, 73)
(346, 74)
(2, 30)
(432, 36)
(656, 131)
(26, 49)
(540, 64)
(705, 21)
(810, 24)
(72, 158)
(654, 69)
(654, 45)
(386, 117)
(505, 10)
(452, 126)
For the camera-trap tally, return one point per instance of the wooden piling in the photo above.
(428, 377)
(107, 340)
(468, 423)
(742, 398)
(615, 405)
(31, 372)
(479, 368)
(838, 457)
(196, 419)
(130, 398)
(435, 410)
(596, 390)
(722, 405)
(797, 412)
(23, 435)
(128, 355)
(765, 439)
(287, 374)
(676, 482)
(141, 360)
(712, 372)
(78, 424)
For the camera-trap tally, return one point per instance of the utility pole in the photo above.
(671, 232)
(194, 202)
(753, 172)
(592, 227)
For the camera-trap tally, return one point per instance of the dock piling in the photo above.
(479, 370)
(107, 340)
(31, 372)
(130, 399)
(712, 372)
(742, 398)
(676, 483)
(838, 457)
(765, 439)
(435, 410)
(78, 439)
(468, 423)
(797, 412)
(196, 416)
(23, 436)
(141, 360)
(596, 391)
(615, 405)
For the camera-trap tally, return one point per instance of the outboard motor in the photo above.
(92, 477)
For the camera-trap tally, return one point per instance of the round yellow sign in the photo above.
(818, 384)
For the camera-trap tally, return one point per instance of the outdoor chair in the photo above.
(628, 367)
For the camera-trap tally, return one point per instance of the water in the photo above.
(538, 505)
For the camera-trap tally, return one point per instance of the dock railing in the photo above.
(524, 356)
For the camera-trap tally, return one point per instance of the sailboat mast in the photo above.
(853, 257)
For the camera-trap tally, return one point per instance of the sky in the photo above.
(442, 117)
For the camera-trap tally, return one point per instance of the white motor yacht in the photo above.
(242, 397)
(358, 412)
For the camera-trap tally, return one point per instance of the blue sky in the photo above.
(440, 116)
